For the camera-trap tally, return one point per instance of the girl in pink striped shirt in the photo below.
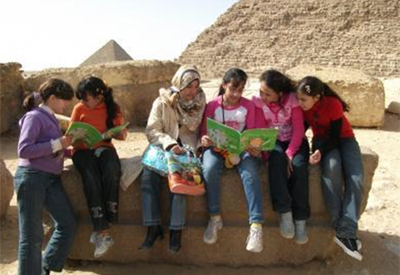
(277, 107)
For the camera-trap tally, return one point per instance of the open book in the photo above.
(89, 134)
(227, 138)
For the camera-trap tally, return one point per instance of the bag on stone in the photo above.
(184, 175)
(154, 159)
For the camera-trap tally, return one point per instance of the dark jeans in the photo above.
(150, 187)
(343, 165)
(37, 190)
(100, 170)
(289, 193)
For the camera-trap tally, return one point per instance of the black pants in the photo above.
(289, 193)
(100, 170)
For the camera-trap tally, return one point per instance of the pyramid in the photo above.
(258, 34)
(110, 52)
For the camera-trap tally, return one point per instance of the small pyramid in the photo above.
(110, 52)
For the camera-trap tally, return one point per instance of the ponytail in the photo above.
(329, 92)
(111, 107)
(31, 101)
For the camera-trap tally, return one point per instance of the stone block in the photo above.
(230, 248)
(7, 189)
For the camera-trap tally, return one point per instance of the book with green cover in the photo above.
(234, 141)
(89, 134)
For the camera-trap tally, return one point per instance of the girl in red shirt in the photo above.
(99, 166)
(335, 148)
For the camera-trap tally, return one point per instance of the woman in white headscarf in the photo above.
(174, 122)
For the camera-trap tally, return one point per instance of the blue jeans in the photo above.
(248, 168)
(35, 191)
(150, 187)
(289, 193)
(343, 164)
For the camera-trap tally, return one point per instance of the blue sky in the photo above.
(63, 33)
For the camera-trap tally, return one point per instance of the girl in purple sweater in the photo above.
(232, 109)
(37, 181)
(277, 107)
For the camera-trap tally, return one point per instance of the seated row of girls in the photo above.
(278, 107)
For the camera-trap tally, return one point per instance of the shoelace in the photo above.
(214, 225)
(257, 233)
(349, 243)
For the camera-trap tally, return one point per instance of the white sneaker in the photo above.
(286, 225)
(301, 232)
(211, 233)
(255, 239)
(103, 243)
(93, 237)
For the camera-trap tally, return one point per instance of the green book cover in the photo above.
(89, 134)
(227, 138)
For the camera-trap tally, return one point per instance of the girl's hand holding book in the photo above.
(206, 141)
(66, 141)
(254, 151)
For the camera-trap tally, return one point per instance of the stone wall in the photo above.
(11, 94)
(135, 83)
(255, 34)
(6, 189)
(230, 248)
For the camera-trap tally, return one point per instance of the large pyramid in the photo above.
(111, 51)
(256, 34)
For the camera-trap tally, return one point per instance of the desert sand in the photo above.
(379, 227)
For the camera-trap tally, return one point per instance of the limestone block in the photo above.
(11, 94)
(7, 189)
(129, 233)
(365, 94)
(135, 83)
(394, 107)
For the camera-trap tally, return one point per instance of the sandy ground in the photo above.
(379, 224)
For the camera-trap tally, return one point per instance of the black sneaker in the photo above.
(350, 246)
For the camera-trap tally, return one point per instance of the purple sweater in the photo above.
(38, 128)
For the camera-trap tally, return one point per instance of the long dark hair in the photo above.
(313, 86)
(278, 82)
(54, 86)
(94, 86)
(235, 76)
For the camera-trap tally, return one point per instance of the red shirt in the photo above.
(96, 117)
(320, 116)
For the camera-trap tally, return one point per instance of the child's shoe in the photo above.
(286, 225)
(349, 246)
(211, 233)
(255, 239)
(93, 237)
(301, 232)
(103, 243)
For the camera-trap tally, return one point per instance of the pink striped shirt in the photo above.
(287, 117)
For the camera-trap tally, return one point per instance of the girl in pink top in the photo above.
(232, 109)
(277, 107)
